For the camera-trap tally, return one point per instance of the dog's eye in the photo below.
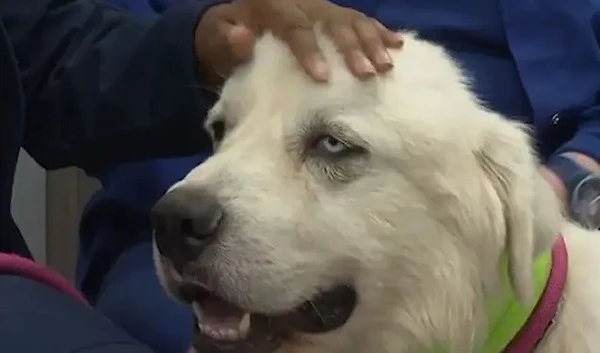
(331, 146)
(333, 156)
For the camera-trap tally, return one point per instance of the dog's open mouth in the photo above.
(224, 327)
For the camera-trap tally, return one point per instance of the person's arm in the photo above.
(583, 148)
(103, 86)
(586, 141)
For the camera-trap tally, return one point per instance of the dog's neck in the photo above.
(515, 327)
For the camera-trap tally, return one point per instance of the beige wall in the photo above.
(47, 207)
(29, 204)
(67, 192)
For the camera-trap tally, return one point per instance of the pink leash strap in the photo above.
(546, 308)
(11, 264)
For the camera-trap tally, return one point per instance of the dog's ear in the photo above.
(508, 160)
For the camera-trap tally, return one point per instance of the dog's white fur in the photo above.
(417, 224)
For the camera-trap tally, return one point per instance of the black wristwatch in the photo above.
(583, 187)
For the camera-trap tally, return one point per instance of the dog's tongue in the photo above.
(222, 320)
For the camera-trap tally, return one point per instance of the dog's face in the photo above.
(329, 211)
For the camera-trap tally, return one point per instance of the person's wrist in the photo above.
(570, 191)
(584, 161)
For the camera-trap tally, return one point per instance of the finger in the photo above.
(212, 46)
(390, 38)
(293, 26)
(347, 41)
(372, 44)
(303, 44)
(236, 32)
(232, 45)
(241, 42)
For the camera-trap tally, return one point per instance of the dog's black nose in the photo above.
(184, 221)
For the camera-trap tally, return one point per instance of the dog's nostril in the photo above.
(185, 214)
(187, 226)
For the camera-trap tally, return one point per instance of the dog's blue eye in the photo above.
(332, 145)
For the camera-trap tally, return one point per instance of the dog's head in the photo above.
(333, 210)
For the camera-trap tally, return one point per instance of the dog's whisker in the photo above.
(317, 311)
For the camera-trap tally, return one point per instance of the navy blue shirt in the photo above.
(537, 61)
(473, 33)
(78, 82)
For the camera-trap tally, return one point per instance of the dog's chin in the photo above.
(222, 326)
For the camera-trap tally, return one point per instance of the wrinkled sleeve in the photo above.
(102, 86)
(587, 138)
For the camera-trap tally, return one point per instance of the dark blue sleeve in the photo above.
(586, 139)
(103, 86)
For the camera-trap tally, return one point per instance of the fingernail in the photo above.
(383, 58)
(396, 39)
(319, 68)
(364, 65)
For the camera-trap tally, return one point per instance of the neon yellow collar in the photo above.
(506, 315)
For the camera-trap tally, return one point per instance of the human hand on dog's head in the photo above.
(226, 34)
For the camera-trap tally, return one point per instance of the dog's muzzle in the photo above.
(185, 222)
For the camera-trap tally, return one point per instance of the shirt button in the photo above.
(555, 119)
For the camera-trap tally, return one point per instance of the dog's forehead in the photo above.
(424, 96)
(273, 87)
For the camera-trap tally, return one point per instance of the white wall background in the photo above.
(29, 204)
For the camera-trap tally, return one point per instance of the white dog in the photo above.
(395, 215)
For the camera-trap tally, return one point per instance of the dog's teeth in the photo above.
(218, 334)
(221, 334)
(231, 334)
(197, 311)
(214, 334)
(209, 331)
(244, 326)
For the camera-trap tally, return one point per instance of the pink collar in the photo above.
(545, 311)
